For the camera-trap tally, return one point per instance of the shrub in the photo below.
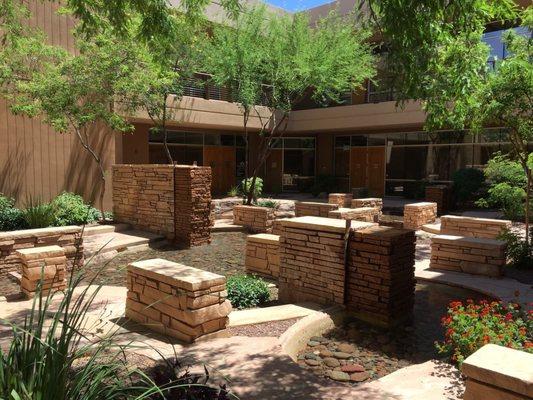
(519, 252)
(11, 218)
(70, 209)
(258, 187)
(467, 183)
(501, 169)
(234, 191)
(268, 203)
(471, 325)
(245, 291)
(39, 215)
(509, 199)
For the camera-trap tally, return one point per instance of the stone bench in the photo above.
(368, 202)
(416, 215)
(477, 256)
(365, 214)
(43, 267)
(473, 227)
(499, 373)
(314, 209)
(176, 300)
(341, 199)
(254, 218)
(262, 255)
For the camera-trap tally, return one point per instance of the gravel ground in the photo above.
(358, 352)
(274, 328)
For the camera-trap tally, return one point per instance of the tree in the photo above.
(73, 93)
(281, 59)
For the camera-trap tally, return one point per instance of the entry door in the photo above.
(221, 159)
(367, 169)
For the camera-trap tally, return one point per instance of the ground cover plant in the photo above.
(11, 217)
(246, 291)
(470, 325)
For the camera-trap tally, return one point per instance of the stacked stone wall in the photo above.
(439, 194)
(473, 227)
(418, 214)
(341, 199)
(381, 281)
(67, 237)
(368, 202)
(313, 209)
(254, 218)
(262, 255)
(170, 200)
(176, 300)
(44, 268)
(312, 263)
(365, 214)
(479, 256)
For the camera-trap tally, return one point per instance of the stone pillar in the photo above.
(312, 266)
(341, 199)
(192, 216)
(473, 227)
(254, 218)
(176, 300)
(365, 214)
(439, 194)
(262, 255)
(498, 373)
(418, 214)
(368, 202)
(42, 264)
(381, 280)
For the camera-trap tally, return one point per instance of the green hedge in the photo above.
(245, 291)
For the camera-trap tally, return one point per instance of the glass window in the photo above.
(240, 141)
(417, 138)
(342, 162)
(358, 141)
(342, 141)
(378, 139)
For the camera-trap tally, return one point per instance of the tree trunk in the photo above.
(528, 189)
(165, 132)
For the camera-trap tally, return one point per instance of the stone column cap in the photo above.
(479, 243)
(179, 275)
(35, 253)
(266, 238)
(502, 367)
(476, 220)
(324, 224)
(421, 204)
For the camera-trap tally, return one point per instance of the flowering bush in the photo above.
(470, 325)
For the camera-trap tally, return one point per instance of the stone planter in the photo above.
(314, 209)
(418, 214)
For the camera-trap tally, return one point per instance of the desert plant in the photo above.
(70, 209)
(469, 326)
(38, 214)
(245, 291)
(467, 183)
(234, 191)
(267, 203)
(518, 250)
(51, 357)
(11, 218)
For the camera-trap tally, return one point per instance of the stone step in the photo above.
(103, 229)
(119, 241)
(273, 313)
(227, 225)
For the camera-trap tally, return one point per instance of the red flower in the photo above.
(508, 317)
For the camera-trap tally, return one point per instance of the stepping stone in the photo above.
(341, 355)
(312, 363)
(351, 368)
(331, 362)
(326, 353)
(339, 376)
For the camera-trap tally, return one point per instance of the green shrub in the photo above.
(245, 291)
(501, 169)
(509, 199)
(470, 326)
(11, 218)
(519, 252)
(234, 191)
(267, 203)
(38, 214)
(467, 183)
(70, 209)
(246, 185)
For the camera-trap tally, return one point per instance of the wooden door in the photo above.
(221, 159)
(358, 167)
(367, 169)
(274, 171)
(376, 171)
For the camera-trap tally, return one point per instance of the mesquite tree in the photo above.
(282, 59)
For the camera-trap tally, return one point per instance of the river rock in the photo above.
(339, 376)
(331, 362)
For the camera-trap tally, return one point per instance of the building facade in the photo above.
(365, 142)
